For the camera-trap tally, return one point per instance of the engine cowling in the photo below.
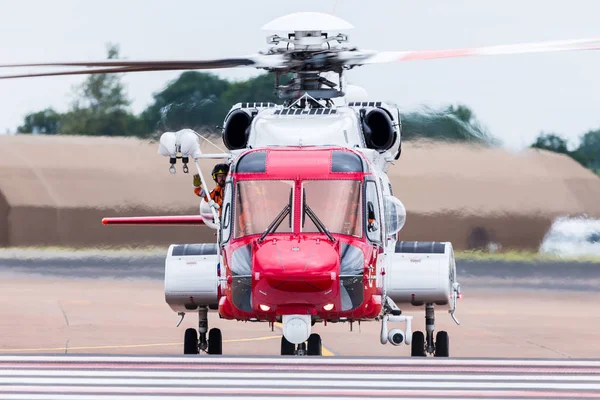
(192, 276)
(378, 129)
(237, 129)
(381, 126)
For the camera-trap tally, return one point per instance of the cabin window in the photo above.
(226, 213)
(333, 204)
(372, 219)
(259, 203)
(241, 274)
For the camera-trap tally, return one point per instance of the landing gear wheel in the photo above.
(287, 348)
(417, 345)
(442, 344)
(301, 349)
(215, 341)
(315, 347)
(190, 341)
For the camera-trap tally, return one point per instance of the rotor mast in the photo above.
(311, 52)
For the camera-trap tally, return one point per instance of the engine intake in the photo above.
(378, 129)
(237, 129)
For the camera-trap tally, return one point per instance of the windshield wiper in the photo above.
(278, 219)
(320, 226)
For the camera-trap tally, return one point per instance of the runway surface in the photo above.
(102, 377)
(79, 303)
(561, 275)
(99, 328)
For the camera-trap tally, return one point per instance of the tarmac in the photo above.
(116, 305)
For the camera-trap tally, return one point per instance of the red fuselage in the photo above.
(296, 268)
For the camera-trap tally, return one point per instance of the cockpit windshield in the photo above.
(258, 203)
(336, 203)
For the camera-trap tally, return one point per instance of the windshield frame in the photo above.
(355, 230)
(287, 222)
(297, 212)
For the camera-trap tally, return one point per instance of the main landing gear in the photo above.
(192, 344)
(312, 347)
(421, 344)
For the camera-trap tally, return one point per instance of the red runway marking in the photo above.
(335, 368)
(297, 392)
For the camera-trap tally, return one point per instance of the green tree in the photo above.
(200, 100)
(461, 112)
(101, 107)
(551, 142)
(46, 121)
(449, 124)
(556, 143)
(257, 89)
(193, 100)
(589, 150)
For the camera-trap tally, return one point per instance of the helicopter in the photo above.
(309, 228)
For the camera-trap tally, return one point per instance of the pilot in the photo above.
(219, 173)
(245, 224)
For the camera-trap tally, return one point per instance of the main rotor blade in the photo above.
(519, 48)
(78, 72)
(208, 64)
(115, 66)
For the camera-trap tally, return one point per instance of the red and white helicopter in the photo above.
(308, 231)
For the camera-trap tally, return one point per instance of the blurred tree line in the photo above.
(586, 154)
(200, 101)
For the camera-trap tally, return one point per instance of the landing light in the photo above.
(264, 307)
(328, 307)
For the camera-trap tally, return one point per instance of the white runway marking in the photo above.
(112, 377)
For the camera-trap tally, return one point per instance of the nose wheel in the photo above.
(312, 347)
(315, 347)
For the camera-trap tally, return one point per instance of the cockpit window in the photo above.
(253, 162)
(336, 203)
(259, 202)
(344, 161)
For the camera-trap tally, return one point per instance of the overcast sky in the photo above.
(515, 96)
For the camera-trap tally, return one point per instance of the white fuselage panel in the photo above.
(338, 129)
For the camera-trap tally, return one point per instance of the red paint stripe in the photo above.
(316, 367)
(298, 392)
(429, 55)
(155, 220)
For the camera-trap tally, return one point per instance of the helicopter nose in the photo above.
(296, 266)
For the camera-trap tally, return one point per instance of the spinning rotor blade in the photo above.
(285, 62)
(77, 72)
(114, 66)
(208, 64)
(519, 48)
